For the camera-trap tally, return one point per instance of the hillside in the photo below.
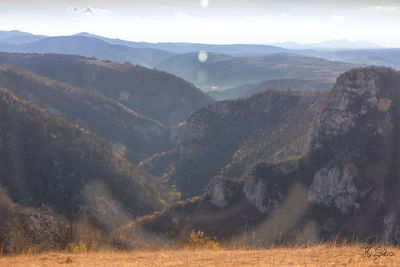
(138, 137)
(229, 137)
(47, 160)
(151, 93)
(247, 90)
(89, 47)
(24, 227)
(221, 71)
(346, 185)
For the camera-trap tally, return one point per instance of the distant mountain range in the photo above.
(376, 57)
(18, 37)
(226, 66)
(221, 71)
(152, 54)
(183, 48)
(90, 47)
(341, 44)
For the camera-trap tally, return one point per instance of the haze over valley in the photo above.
(173, 138)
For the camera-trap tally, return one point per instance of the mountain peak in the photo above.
(355, 93)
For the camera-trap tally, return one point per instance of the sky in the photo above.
(209, 21)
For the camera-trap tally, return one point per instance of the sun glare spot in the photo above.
(203, 56)
(204, 3)
(384, 104)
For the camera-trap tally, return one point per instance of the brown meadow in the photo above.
(318, 255)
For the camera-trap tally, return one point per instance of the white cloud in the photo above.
(86, 10)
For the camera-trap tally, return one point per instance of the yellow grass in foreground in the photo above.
(321, 255)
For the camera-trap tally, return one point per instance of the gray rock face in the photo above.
(391, 227)
(355, 172)
(255, 193)
(391, 223)
(332, 187)
(347, 184)
(195, 130)
(265, 197)
(216, 191)
(176, 131)
(351, 97)
(355, 98)
(222, 191)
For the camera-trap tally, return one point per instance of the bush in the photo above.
(198, 239)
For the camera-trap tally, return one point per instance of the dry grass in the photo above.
(320, 255)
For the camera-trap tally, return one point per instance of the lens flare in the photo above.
(202, 75)
(120, 148)
(384, 104)
(204, 3)
(202, 56)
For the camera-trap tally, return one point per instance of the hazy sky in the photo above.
(209, 21)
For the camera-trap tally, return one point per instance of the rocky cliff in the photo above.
(229, 137)
(347, 185)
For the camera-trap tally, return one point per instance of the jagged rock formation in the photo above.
(229, 137)
(348, 184)
(333, 188)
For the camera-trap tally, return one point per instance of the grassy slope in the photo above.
(47, 159)
(140, 136)
(154, 94)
